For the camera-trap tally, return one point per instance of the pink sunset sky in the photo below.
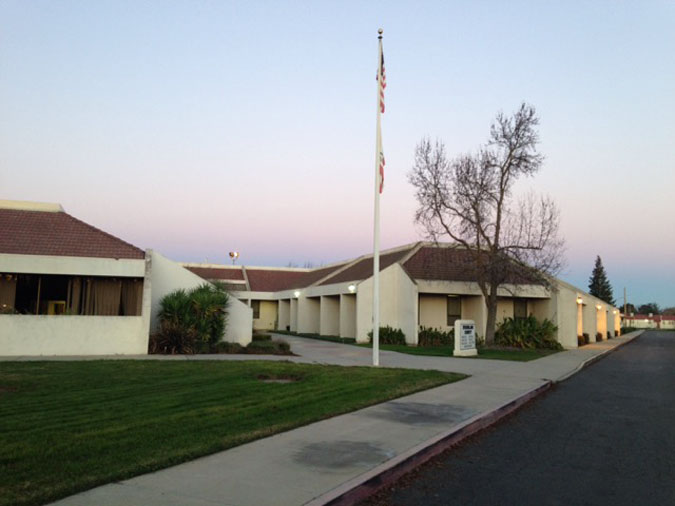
(197, 128)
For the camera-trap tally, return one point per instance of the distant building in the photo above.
(648, 321)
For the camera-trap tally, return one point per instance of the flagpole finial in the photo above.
(379, 31)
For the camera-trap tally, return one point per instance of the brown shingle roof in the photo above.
(452, 264)
(59, 234)
(272, 280)
(364, 268)
(217, 273)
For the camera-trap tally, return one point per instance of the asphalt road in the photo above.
(606, 436)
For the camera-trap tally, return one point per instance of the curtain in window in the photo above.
(7, 292)
(107, 297)
(132, 297)
(74, 294)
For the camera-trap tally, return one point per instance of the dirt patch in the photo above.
(4, 389)
(285, 378)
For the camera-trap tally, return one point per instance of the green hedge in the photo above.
(389, 335)
(436, 337)
(527, 333)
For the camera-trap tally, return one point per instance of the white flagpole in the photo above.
(376, 239)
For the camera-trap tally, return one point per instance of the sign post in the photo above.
(465, 339)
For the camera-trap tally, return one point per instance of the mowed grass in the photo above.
(524, 355)
(69, 426)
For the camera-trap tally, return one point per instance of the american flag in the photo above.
(381, 170)
(382, 78)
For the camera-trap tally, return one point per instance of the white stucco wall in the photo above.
(76, 266)
(168, 276)
(398, 304)
(309, 315)
(73, 335)
(329, 323)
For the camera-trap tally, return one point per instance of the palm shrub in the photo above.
(527, 333)
(208, 303)
(172, 338)
(435, 337)
(389, 335)
(199, 314)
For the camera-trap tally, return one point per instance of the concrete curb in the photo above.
(363, 486)
(600, 356)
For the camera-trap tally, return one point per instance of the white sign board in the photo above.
(465, 338)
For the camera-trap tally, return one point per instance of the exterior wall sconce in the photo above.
(351, 288)
(615, 311)
(599, 307)
(580, 300)
(296, 294)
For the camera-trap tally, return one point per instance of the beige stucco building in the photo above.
(421, 285)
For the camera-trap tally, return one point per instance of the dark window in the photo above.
(454, 310)
(519, 308)
(73, 295)
(255, 305)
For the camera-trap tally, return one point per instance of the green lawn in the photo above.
(446, 351)
(69, 426)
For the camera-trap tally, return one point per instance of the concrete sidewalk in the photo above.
(321, 462)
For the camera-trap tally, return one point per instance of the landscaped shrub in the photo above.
(200, 311)
(262, 337)
(268, 348)
(527, 333)
(598, 337)
(626, 330)
(435, 337)
(587, 338)
(172, 338)
(389, 335)
(609, 335)
(581, 341)
(616, 333)
(228, 347)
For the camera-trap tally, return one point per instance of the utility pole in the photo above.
(625, 303)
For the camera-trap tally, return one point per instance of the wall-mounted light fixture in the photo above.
(580, 300)
(598, 307)
(351, 288)
(296, 294)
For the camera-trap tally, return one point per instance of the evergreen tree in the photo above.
(598, 284)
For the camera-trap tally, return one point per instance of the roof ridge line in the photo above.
(104, 232)
(243, 273)
(337, 271)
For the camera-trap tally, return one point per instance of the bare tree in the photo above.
(470, 200)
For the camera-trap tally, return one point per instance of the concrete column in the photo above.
(294, 315)
(329, 315)
(284, 314)
(348, 315)
(473, 308)
(309, 315)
